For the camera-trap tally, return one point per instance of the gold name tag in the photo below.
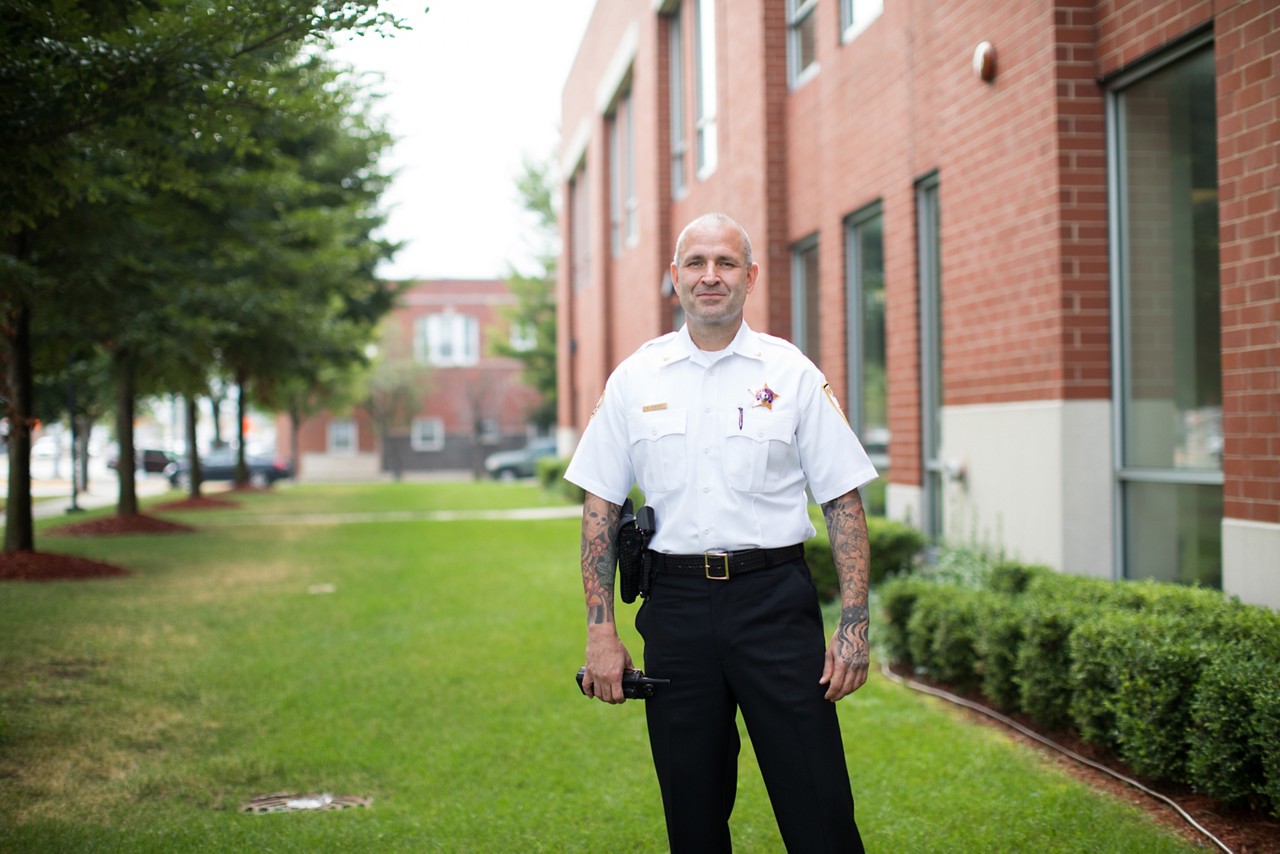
(654, 407)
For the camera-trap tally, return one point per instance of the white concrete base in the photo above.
(1251, 561)
(1036, 484)
(328, 467)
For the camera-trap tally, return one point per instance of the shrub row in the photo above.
(1182, 684)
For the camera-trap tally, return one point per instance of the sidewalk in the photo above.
(51, 498)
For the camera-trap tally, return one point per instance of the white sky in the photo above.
(471, 91)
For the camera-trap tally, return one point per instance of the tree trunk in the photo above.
(295, 428)
(19, 528)
(242, 412)
(126, 465)
(193, 452)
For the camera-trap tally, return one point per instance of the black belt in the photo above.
(721, 566)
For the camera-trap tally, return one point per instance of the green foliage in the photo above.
(1181, 683)
(898, 598)
(1000, 634)
(1044, 687)
(534, 311)
(895, 547)
(1226, 757)
(1153, 694)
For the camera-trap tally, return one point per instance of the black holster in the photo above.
(635, 568)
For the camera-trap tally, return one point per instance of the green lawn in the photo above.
(436, 677)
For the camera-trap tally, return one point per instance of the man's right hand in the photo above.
(607, 660)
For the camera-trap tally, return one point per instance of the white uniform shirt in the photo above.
(721, 443)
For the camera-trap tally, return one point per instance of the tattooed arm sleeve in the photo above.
(847, 527)
(599, 555)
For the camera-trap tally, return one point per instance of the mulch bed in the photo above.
(1243, 831)
(51, 566)
(134, 523)
(48, 566)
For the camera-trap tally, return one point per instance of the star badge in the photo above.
(764, 396)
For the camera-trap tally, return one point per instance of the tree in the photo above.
(103, 99)
(535, 309)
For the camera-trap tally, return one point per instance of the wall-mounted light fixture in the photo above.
(984, 61)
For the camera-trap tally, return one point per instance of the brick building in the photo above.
(469, 402)
(1035, 245)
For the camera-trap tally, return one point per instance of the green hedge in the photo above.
(1181, 683)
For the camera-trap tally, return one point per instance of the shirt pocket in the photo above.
(757, 448)
(658, 449)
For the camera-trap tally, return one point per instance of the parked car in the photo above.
(149, 460)
(220, 465)
(522, 462)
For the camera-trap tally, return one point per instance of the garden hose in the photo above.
(1009, 722)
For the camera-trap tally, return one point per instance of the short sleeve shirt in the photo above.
(722, 444)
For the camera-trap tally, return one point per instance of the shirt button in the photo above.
(706, 489)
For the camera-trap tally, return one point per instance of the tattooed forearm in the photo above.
(847, 527)
(599, 554)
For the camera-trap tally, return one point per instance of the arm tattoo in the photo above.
(599, 554)
(847, 528)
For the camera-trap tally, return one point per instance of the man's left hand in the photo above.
(848, 656)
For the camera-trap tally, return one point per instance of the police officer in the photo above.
(722, 427)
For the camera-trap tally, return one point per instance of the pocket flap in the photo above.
(655, 425)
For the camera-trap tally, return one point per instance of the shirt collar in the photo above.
(680, 346)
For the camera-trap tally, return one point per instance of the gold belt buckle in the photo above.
(713, 560)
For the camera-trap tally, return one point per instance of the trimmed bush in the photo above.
(897, 602)
(1097, 651)
(894, 547)
(1012, 578)
(1222, 759)
(1043, 677)
(953, 658)
(1263, 738)
(1000, 633)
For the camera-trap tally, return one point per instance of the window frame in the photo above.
(423, 441)
(800, 15)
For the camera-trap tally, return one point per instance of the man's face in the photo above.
(711, 276)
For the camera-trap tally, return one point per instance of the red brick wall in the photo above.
(493, 387)
(1023, 194)
(1247, 51)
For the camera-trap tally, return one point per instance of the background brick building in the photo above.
(1036, 246)
(469, 402)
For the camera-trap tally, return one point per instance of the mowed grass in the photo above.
(427, 664)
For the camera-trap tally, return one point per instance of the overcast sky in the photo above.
(470, 92)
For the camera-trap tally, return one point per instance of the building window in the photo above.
(675, 89)
(868, 387)
(802, 42)
(805, 305)
(427, 434)
(580, 226)
(342, 438)
(447, 339)
(1168, 356)
(705, 83)
(622, 185)
(855, 15)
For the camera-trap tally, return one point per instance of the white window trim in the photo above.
(853, 25)
(334, 447)
(417, 440)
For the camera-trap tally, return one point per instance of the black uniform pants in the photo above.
(754, 642)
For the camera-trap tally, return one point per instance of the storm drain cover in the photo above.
(303, 803)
